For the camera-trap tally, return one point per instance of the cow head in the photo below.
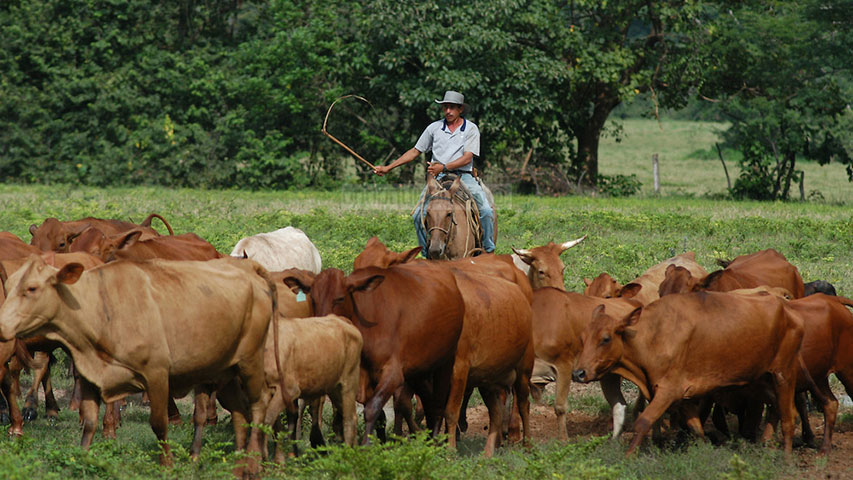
(331, 291)
(91, 240)
(603, 344)
(677, 280)
(52, 235)
(376, 254)
(114, 244)
(545, 266)
(35, 294)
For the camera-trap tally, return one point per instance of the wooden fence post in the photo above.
(656, 173)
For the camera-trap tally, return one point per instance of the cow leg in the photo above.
(110, 419)
(830, 413)
(251, 376)
(391, 378)
(172, 409)
(158, 417)
(12, 386)
(661, 401)
(41, 364)
(77, 394)
(212, 418)
(89, 407)
(521, 394)
(403, 411)
(611, 387)
(51, 406)
(561, 398)
(458, 384)
(492, 398)
(315, 407)
(16, 421)
(201, 401)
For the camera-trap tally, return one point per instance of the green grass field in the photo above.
(625, 236)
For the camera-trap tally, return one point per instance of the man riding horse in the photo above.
(454, 142)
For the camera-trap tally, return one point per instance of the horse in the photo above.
(451, 219)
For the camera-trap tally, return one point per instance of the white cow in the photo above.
(284, 248)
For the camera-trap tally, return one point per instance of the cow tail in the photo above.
(274, 321)
(816, 393)
(23, 354)
(844, 301)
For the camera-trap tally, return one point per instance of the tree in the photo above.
(781, 72)
(540, 72)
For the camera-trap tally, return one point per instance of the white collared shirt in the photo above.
(447, 146)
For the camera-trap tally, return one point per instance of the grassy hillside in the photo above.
(689, 164)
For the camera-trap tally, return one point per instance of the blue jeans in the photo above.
(487, 216)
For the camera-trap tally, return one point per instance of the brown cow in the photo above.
(410, 317)
(495, 351)
(131, 246)
(689, 345)
(559, 319)
(54, 235)
(542, 264)
(159, 326)
(605, 286)
(767, 267)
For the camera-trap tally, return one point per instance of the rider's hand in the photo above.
(381, 169)
(435, 168)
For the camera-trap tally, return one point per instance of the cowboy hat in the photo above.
(452, 97)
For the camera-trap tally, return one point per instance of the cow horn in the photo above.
(571, 244)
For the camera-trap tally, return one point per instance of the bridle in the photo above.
(448, 232)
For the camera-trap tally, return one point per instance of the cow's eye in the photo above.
(338, 301)
(605, 341)
(31, 289)
(541, 273)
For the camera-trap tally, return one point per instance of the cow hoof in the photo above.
(29, 414)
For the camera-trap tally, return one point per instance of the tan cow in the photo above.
(686, 346)
(155, 326)
(318, 356)
(605, 286)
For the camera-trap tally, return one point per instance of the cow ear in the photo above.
(410, 255)
(33, 229)
(633, 317)
(587, 281)
(297, 279)
(598, 311)
(69, 273)
(670, 268)
(366, 284)
(631, 290)
(524, 255)
(245, 255)
(128, 239)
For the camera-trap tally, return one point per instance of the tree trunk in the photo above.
(588, 137)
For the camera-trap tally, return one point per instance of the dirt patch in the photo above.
(810, 464)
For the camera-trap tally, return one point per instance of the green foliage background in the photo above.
(223, 93)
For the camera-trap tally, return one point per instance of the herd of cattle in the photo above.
(266, 326)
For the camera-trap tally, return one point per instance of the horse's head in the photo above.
(440, 218)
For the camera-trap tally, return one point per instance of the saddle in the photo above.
(463, 197)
